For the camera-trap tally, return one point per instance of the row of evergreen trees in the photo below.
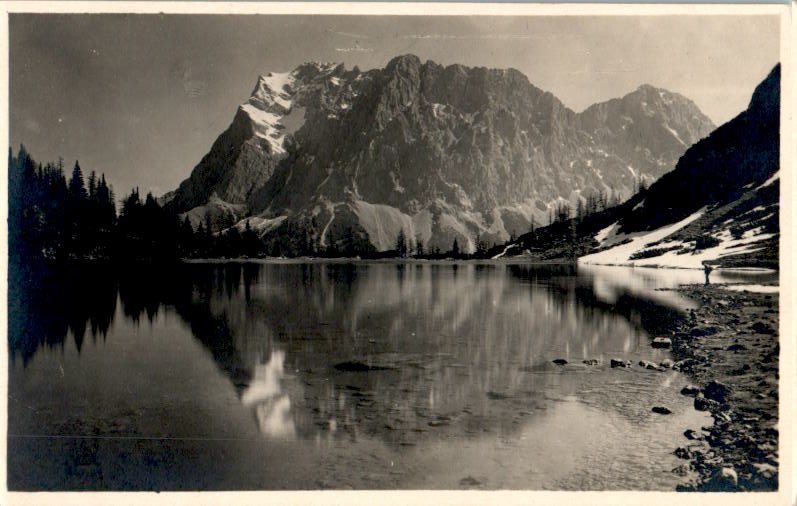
(58, 218)
(52, 217)
(594, 202)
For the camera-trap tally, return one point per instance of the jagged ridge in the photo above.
(438, 152)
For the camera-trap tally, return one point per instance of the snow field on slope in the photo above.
(620, 254)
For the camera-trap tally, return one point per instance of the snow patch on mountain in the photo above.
(273, 90)
(622, 246)
(674, 133)
(675, 254)
(769, 181)
(695, 259)
(267, 126)
(271, 108)
(603, 234)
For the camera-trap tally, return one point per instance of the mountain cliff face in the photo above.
(438, 153)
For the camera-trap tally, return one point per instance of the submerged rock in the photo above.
(690, 390)
(356, 366)
(590, 361)
(662, 342)
(661, 410)
(560, 361)
(693, 435)
(666, 363)
(647, 365)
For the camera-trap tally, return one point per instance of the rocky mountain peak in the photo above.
(407, 63)
(438, 152)
(272, 93)
(741, 153)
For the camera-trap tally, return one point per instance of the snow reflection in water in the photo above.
(447, 364)
(272, 405)
(658, 284)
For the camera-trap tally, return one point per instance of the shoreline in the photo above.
(729, 347)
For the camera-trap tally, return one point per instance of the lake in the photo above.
(355, 375)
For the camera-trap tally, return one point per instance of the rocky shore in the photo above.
(729, 346)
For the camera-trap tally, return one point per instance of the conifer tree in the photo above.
(77, 187)
(92, 186)
(401, 244)
(455, 249)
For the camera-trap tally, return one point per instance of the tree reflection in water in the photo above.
(440, 340)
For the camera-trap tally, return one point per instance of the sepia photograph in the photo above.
(310, 248)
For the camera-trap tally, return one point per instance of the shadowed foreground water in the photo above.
(338, 375)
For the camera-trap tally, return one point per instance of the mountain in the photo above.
(742, 152)
(329, 155)
(719, 205)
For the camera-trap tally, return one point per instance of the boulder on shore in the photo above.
(762, 328)
(716, 391)
(703, 404)
(727, 477)
(703, 331)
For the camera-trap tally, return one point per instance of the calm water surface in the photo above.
(341, 375)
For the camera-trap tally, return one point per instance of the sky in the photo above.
(141, 98)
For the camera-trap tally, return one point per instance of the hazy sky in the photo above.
(142, 97)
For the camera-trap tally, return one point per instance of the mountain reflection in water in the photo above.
(438, 333)
(409, 354)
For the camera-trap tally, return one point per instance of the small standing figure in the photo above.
(707, 270)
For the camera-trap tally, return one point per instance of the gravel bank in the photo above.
(729, 346)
